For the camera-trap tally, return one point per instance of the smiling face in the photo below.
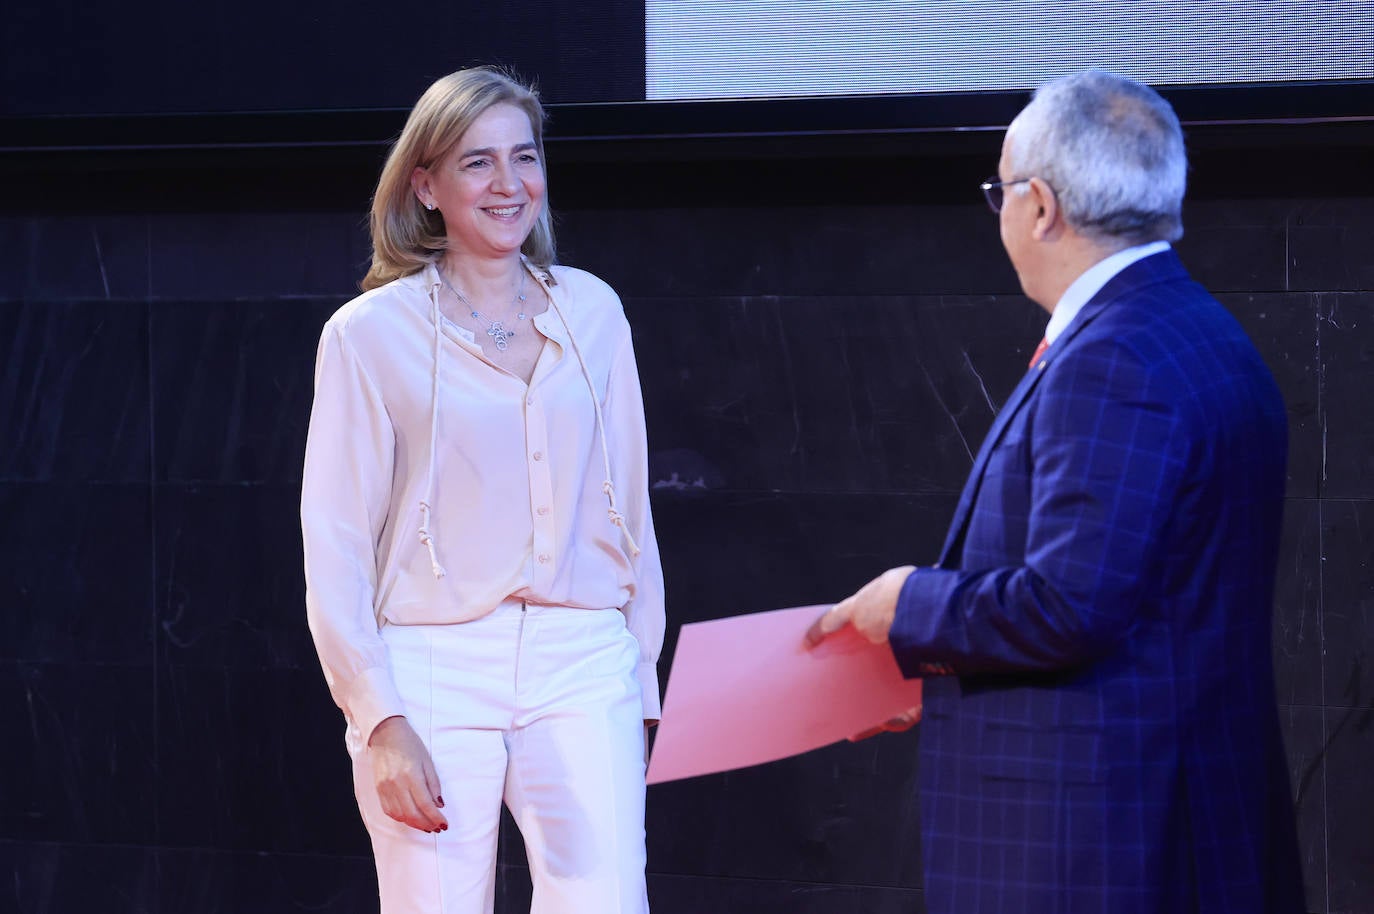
(490, 188)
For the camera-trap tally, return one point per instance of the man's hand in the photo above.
(904, 721)
(407, 784)
(870, 611)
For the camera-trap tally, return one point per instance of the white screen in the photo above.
(771, 48)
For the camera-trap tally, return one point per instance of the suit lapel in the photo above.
(1147, 271)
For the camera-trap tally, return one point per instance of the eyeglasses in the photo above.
(992, 189)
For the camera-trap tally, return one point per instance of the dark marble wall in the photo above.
(824, 338)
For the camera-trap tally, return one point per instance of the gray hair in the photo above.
(1112, 149)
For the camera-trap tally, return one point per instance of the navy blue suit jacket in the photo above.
(1108, 738)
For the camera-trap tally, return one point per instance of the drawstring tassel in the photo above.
(619, 519)
(425, 536)
(428, 540)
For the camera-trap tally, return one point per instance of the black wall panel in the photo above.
(825, 325)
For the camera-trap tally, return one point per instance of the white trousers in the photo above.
(538, 706)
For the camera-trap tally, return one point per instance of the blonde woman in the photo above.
(483, 580)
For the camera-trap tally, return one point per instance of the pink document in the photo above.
(746, 690)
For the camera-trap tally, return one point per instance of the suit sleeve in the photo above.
(1108, 454)
(345, 495)
(628, 445)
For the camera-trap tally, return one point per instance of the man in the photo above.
(1105, 735)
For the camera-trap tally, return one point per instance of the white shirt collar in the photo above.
(1081, 291)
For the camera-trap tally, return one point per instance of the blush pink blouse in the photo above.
(436, 486)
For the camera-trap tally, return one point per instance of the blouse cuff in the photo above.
(648, 687)
(372, 699)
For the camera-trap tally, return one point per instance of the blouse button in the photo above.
(543, 558)
(538, 455)
(543, 510)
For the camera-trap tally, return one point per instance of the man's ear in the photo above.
(1048, 215)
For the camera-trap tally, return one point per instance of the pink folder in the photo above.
(746, 690)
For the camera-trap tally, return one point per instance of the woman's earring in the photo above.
(429, 206)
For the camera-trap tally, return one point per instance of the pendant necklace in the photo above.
(497, 330)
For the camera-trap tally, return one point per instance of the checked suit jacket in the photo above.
(1106, 737)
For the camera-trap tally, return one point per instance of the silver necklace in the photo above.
(496, 329)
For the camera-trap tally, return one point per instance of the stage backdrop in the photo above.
(826, 326)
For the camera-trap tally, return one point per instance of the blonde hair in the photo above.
(405, 235)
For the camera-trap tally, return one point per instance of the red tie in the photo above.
(1039, 351)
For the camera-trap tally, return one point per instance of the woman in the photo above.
(483, 581)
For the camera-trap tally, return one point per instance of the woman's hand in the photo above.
(407, 784)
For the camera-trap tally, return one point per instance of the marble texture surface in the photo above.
(1299, 651)
(253, 761)
(231, 602)
(680, 894)
(819, 364)
(78, 582)
(1235, 244)
(73, 257)
(813, 818)
(1284, 328)
(701, 250)
(74, 391)
(1349, 809)
(1346, 327)
(875, 394)
(1330, 240)
(276, 256)
(216, 881)
(232, 387)
(60, 878)
(82, 761)
(1347, 532)
(1304, 735)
